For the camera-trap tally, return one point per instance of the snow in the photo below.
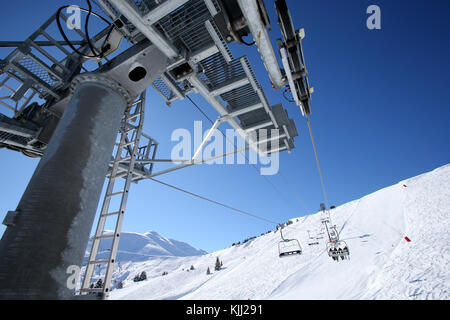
(141, 247)
(382, 265)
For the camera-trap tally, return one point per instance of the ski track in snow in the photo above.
(382, 264)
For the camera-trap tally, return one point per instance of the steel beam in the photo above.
(220, 108)
(206, 139)
(246, 110)
(275, 150)
(210, 5)
(16, 130)
(195, 162)
(251, 13)
(288, 71)
(212, 32)
(147, 30)
(4, 44)
(162, 10)
(172, 87)
(229, 87)
(258, 90)
(287, 137)
(281, 136)
(200, 55)
(259, 126)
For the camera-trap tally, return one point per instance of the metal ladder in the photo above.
(122, 167)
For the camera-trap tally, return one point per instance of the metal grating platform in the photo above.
(228, 84)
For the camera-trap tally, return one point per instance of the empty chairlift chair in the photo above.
(312, 241)
(288, 247)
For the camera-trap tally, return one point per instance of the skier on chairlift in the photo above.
(335, 254)
(345, 250)
(341, 253)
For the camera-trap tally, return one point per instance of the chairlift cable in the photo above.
(282, 250)
(317, 160)
(201, 111)
(215, 202)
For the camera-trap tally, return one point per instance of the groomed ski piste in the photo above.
(382, 265)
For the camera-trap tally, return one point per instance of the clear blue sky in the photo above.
(380, 113)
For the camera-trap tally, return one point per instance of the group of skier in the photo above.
(336, 253)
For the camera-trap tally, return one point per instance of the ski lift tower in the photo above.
(75, 119)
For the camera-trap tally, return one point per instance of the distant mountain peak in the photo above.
(135, 247)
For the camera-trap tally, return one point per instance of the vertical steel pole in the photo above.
(55, 214)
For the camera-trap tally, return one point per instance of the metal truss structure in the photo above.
(38, 79)
(34, 85)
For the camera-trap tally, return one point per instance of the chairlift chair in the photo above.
(312, 241)
(320, 234)
(338, 249)
(288, 247)
(344, 247)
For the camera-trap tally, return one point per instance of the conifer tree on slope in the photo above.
(99, 283)
(218, 264)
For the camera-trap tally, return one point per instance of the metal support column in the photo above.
(53, 220)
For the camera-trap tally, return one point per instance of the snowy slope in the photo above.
(382, 264)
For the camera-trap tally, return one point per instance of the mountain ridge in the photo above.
(134, 246)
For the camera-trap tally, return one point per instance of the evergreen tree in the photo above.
(218, 264)
(192, 267)
(91, 287)
(143, 276)
(208, 272)
(99, 283)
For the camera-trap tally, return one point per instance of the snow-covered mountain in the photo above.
(382, 265)
(134, 247)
